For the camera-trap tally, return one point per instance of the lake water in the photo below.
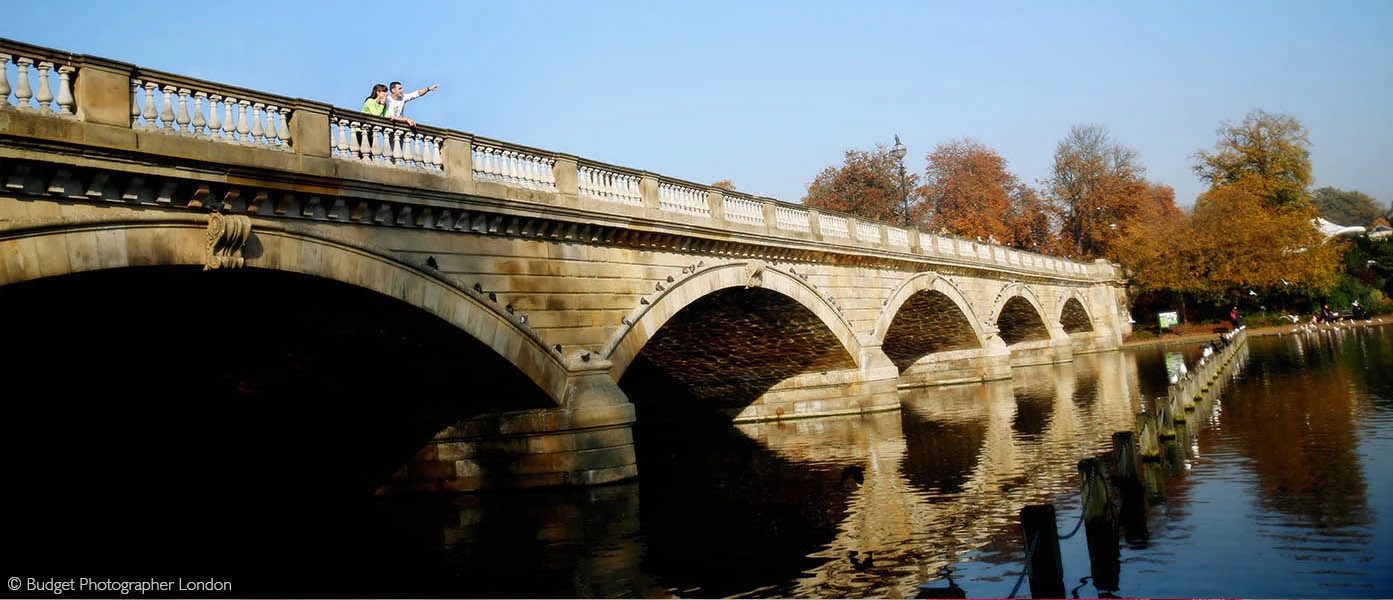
(1285, 488)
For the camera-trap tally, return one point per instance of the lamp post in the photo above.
(899, 152)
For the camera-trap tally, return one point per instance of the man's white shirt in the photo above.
(395, 107)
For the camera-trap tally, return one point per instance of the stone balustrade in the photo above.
(176, 104)
(97, 90)
(357, 136)
(40, 77)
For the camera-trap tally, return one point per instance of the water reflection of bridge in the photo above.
(953, 470)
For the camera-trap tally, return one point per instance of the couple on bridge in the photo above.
(390, 102)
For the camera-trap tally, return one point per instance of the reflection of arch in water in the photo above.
(716, 500)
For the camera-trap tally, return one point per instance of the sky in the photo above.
(768, 94)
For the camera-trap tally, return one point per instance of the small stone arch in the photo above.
(1019, 314)
(1074, 316)
(919, 283)
(186, 241)
(647, 320)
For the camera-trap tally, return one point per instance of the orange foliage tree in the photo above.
(1253, 228)
(969, 191)
(1267, 155)
(1155, 247)
(867, 185)
(1095, 184)
(1245, 243)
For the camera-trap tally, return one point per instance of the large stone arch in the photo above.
(920, 283)
(40, 251)
(1018, 327)
(648, 319)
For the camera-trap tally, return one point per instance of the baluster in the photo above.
(198, 121)
(283, 132)
(271, 112)
(22, 92)
(354, 132)
(4, 79)
(242, 129)
(65, 90)
(135, 102)
(377, 134)
(435, 157)
(183, 117)
(45, 95)
(229, 124)
(549, 172)
(150, 115)
(342, 144)
(396, 147)
(256, 132)
(481, 158)
(214, 122)
(418, 151)
(514, 167)
(167, 108)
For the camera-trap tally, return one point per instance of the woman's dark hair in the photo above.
(375, 89)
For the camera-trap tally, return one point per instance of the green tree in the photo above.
(1346, 207)
(1095, 184)
(867, 185)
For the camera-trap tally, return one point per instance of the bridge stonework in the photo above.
(588, 278)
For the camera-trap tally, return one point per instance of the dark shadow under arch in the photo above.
(721, 352)
(1019, 321)
(192, 417)
(928, 322)
(1074, 318)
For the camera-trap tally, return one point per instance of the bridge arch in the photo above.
(43, 252)
(646, 321)
(1019, 314)
(1074, 315)
(924, 315)
(924, 282)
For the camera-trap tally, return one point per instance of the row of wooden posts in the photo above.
(1117, 505)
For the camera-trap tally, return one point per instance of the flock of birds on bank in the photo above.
(1301, 327)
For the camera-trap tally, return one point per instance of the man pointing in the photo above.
(396, 100)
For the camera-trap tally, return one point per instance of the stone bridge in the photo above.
(595, 282)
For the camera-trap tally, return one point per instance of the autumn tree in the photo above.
(1157, 249)
(1244, 243)
(969, 190)
(1032, 222)
(724, 184)
(1095, 184)
(867, 185)
(1345, 207)
(1267, 155)
(1253, 226)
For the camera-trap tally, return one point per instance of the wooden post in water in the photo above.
(1124, 457)
(1165, 424)
(1045, 568)
(1154, 481)
(1100, 525)
(1146, 437)
(1127, 478)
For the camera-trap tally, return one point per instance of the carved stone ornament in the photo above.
(754, 273)
(227, 234)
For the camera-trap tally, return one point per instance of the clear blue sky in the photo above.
(768, 94)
